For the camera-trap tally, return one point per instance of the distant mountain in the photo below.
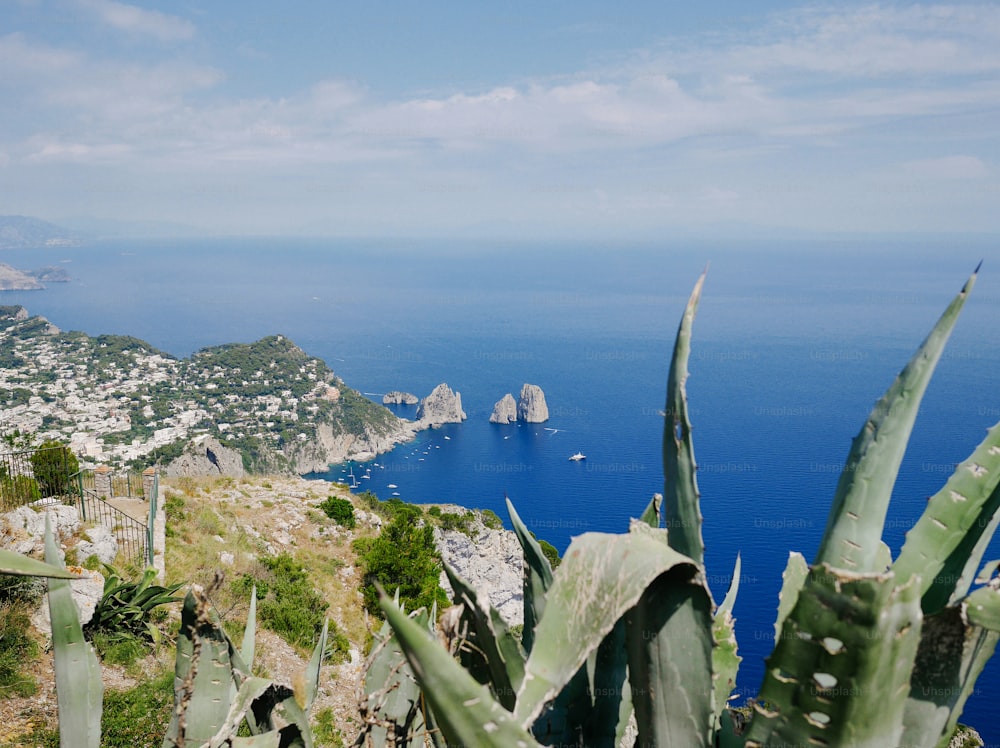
(23, 232)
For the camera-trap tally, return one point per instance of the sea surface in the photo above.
(793, 344)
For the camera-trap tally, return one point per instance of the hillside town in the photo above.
(117, 400)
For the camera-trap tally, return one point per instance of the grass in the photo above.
(18, 651)
(138, 717)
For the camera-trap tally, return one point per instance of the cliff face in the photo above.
(12, 279)
(531, 407)
(330, 446)
(206, 456)
(441, 406)
(505, 411)
(491, 563)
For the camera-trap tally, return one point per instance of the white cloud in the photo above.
(135, 20)
(946, 168)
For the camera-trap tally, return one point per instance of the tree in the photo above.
(403, 555)
(54, 465)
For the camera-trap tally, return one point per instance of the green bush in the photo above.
(550, 553)
(489, 518)
(403, 556)
(339, 510)
(53, 465)
(287, 604)
(434, 511)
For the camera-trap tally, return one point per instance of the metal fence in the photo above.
(51, 472)
(134, 539)
(111, 484)
(34, 474)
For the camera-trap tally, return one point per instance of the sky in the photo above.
(522, 119)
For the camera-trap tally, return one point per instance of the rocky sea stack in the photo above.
(531, 407)
(441, 406)
(399, 398)
(505, 411)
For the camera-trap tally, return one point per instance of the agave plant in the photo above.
(215, 693)
(870, 650)
(125, 606)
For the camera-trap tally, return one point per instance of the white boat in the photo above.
(393, 485)
(578, 456)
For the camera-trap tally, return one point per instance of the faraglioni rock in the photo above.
(531, 406)
(505, 411)
(399, 398)
(441, 406)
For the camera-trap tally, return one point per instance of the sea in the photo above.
(793, 343)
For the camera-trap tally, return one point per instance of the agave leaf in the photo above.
(725, 659)
(609, 686)
(982, 608)
(989, 569)
(848, 638)
(491, 640)
(955, 521)
(791, 584)
(652, 513)
(250, 632)
(681, 512)
(465, 711)
(669, 634)
(79, 688)
(854, 528)
(315, 664)
(537, 577)
(391, 691)
(202, 675)
(15, 563)
(952, 654)
(601, 577)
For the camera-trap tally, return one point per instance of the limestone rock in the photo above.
(206, 456)
(505, 411)
(100, 542)
(86, 592)
(441, 406)
(399, 398)
(29, 523)
(531, 406)
(491, 563)
(12, 279)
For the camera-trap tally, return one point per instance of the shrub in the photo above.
(53, 465)
(339, 510)
(403, 556)
(287, 603)
(489, 518)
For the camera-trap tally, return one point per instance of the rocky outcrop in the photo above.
(441, 406)
(505, 411)
(531, 407)
(399, 398)
(12, 279)
(23, 530)
(206, 456)
(100, 542)
(330, 447)
(491, 563)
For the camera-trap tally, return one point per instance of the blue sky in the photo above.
(554, 119)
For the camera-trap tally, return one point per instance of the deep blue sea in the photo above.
(792, 346)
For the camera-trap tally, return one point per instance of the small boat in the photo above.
(578, 456)
(392, 485)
